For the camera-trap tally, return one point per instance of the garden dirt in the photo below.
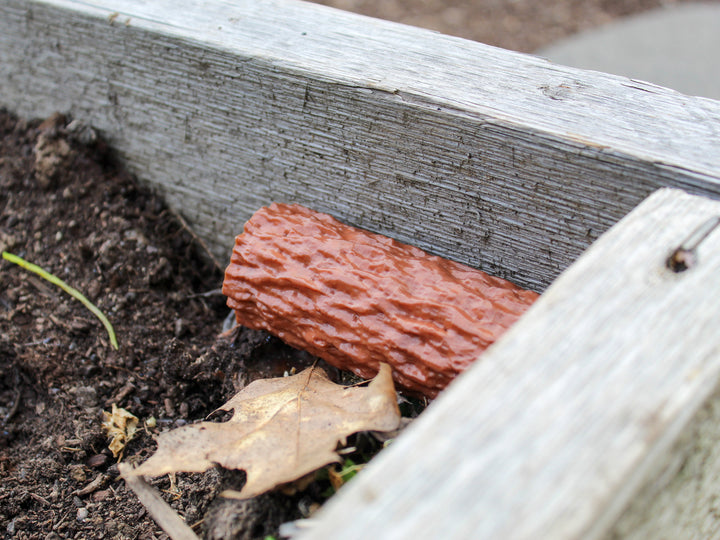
(67, 206)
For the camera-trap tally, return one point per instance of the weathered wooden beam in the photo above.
(492, 158)
(681, 499)
(557, 427)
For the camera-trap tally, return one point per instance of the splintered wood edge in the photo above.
(496, 159)
(565, 418)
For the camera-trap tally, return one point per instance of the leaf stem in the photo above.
(68, 289)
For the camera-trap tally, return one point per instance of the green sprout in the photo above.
(67, 288)
(349, 470)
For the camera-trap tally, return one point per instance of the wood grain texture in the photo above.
(495, 159)
(564, 419)
(680, 500)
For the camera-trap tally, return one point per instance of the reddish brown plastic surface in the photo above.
(356, 299)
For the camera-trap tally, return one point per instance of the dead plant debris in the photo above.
(120, 426)
(281, 430)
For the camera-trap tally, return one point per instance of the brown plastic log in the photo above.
(356, 299)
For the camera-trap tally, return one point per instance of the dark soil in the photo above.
(67, 206)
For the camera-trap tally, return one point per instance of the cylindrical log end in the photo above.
(356, 299)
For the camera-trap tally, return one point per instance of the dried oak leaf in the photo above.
(281, 429)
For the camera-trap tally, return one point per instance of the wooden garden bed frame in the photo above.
(596, 415)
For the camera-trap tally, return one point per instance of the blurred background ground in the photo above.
(520, 25)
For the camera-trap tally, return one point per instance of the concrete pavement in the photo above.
(677, 47)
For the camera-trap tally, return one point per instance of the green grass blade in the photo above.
(67, 288)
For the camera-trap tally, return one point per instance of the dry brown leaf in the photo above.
(120, 426)
(281, 429)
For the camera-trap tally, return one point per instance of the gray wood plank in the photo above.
(680, 500)
(561, 422)
(493, 158)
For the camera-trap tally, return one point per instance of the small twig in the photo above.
(38, 342)
(161, 511)
(214, 292)
(41, 286)
(199, 240)
(92, 486)
(14, 408)
(67, 288)
(38, 498)
(124, 392)
(197, 523)
(359, 383)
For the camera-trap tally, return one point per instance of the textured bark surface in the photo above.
(356, 299)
